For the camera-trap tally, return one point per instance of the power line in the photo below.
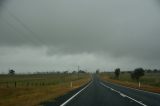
(26, 27)
(15, 29)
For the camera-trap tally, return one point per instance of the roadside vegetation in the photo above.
(148, 80)
(32, 89)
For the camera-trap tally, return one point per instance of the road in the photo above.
(99, 93)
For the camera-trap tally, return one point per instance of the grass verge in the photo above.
(33, 96)
(130, 84)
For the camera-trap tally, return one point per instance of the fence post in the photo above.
(15, 84)
(71, 84)
(7, 85)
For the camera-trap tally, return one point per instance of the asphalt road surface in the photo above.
(99, 93)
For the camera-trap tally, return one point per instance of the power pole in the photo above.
(78, 72)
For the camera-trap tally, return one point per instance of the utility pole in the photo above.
(78, 72)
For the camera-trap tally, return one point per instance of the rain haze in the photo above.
(45, 35)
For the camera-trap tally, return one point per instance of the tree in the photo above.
(74, 72)
(97, 71)
(117, 72)
(155, 70)
(81, 71)
(132, 75)
(11, 72)
(138, 72)
(148, 70)
(65, 72)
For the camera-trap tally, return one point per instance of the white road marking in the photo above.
(134, 89)
(63, 104)
(124, 95)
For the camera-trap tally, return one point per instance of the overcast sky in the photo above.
(45, 35)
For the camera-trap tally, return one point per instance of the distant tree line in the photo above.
(135, 75)
(12, 72)
(152, 71)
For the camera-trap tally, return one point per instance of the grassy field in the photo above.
(31, 90)
(149, 82)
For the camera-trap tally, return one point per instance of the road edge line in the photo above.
(68, 100)
(139, 102)
(133, 88)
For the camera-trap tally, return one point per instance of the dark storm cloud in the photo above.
(2, 2)
(126, 29)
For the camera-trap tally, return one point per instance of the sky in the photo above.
(60, 35)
